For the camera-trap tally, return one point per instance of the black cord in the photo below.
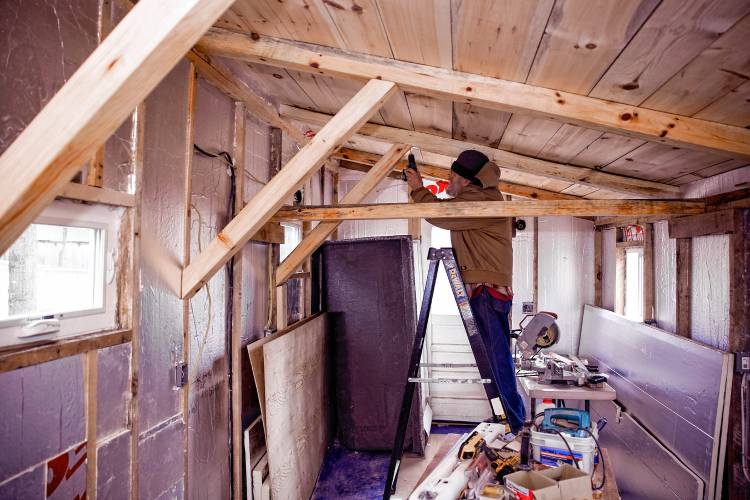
(572, 456)
(601, 460)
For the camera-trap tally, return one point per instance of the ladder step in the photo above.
(448, 365)
(450, 380)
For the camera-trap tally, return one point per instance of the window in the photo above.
(634, 283)
(292, 237)
(61, 269)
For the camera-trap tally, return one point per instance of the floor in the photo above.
(361, 475)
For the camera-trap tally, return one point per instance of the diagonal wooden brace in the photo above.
(317, 236)
(265, 204)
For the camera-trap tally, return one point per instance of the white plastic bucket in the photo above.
(549, 449)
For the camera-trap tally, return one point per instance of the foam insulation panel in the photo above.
(27, 484)
(709, 299)
(523, 270)
(673, 386)
(161, 461)
(566, 274)
(368, 292)
(644, 468)
(113, 462)
(298, 408)
(113, 389)
(722, 183)
(387, 191)
(665, 278)
(42, 413)
(66, 474)
(609, 268)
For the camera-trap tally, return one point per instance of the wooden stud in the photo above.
(720, 222)
(683, 283)
(105, 196)
(90, 382)
(272, 196)
(118, 75)
(598, 267)
(622, 221)
(505, 159)
(72, 346)
(648, 274)
(238, 147)
(95, 175)
(620, 280)
(223, 79)
(281, 308)
(484, 209)
(137, 152)
(335, 200)
(271, 232)
(317, 236)
(483, 91)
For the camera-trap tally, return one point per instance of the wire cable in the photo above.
(601, 463)
(570, 450)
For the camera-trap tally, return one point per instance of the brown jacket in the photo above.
(483, 247)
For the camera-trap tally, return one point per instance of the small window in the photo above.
(634, 283)
(292, 237)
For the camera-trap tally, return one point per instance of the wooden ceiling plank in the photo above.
(506, 159)
(568, 142)
(675, 33)
(430, 115)
(489, 209)
(262, 206)
(497, 38)
(395, 112)
(733, 108)
(606, 149)
(360, 27)
(485, 92)
(719, 69)
(279, 83)
(253, 16)
(104, 90)
(480, 125)
(581, 40)
(527, 135)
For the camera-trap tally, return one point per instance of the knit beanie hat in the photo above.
(469, 163)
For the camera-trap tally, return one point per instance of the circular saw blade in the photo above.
(548, 337)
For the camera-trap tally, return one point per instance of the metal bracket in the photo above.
(180, 375)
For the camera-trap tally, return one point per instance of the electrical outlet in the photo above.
(742, 362)
(180, 375)
(527, 307)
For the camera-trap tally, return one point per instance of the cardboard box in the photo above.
(530, 485)
(573, 484)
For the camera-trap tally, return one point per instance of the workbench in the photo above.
(536, 390)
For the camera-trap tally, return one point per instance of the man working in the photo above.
(485, 256)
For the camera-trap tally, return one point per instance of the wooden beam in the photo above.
(263, 205)
(90, 375)
(486, 92)
(649, 293)
(59, 349)
(318, 235)
(349, 156)
(271, 232)
(118, 75)
(505, 159)
(222, 78)
(720, 222)
(106, 196)
(683, 285)
(598, 267)
(620, 221)
(620, 280)
(489, 209)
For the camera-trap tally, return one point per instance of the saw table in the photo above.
(536, 390)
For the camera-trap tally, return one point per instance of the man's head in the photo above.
(464, 171)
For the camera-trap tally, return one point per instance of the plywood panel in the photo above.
(676, 32)
(581, 40)
(418, 30)
(297, 404)
(720, 68)
(733, 108)
(497, 38)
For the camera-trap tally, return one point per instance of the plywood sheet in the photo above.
(297, 406)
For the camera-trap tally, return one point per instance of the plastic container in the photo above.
(543, 405)
(549, 449)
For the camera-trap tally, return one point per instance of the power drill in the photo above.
(412, 164)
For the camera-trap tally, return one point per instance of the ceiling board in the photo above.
(430, 115)
(474, 124)
(568, 141)
(279, 83)
(579, 190)
(359, 26)
(606, 149)
(527, 135)
(395, 112)
(720, 168)
(719, 69)
(253, 17)
(581, 40)
(733, 108)
(675, 33)
(658, 162)
(497, 37)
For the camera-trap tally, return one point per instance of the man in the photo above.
(485, 256)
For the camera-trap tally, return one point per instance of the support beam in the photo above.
(489, 209)
(486, 92)
(118, 75)
(683, 284)
(222, 78)
(351, 157)
(106, 196)
(263, 205)
(318, 235)
(505, 159)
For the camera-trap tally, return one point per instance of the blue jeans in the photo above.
(491, 315)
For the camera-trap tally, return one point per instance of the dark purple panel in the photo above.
(30, 484)
(369, 295)
(113, 473)
(160, 461)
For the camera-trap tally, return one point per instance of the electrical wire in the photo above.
(570, 450)
(601, 463)
(228, 160)
(204, 339)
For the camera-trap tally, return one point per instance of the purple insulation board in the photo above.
(674, 387)
(368, 291)
(161, 461)
(113, 462)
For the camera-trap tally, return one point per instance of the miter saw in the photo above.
(542, 332)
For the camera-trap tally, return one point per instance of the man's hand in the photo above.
(413, 178)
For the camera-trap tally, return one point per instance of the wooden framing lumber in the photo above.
(263, 205)
(683, 285)
(489, 209)
(483, 91)
(106, 196)
(505, 159)
(223, 79)
(351, 157)
(71, 346)
(649, 292)
(271, 232)
(317, 236)
(598, 236)
(719, 222)
(622, 221)
(90, 375)
(118, 75)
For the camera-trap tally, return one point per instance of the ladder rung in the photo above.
(450, 380)
(448, 365)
